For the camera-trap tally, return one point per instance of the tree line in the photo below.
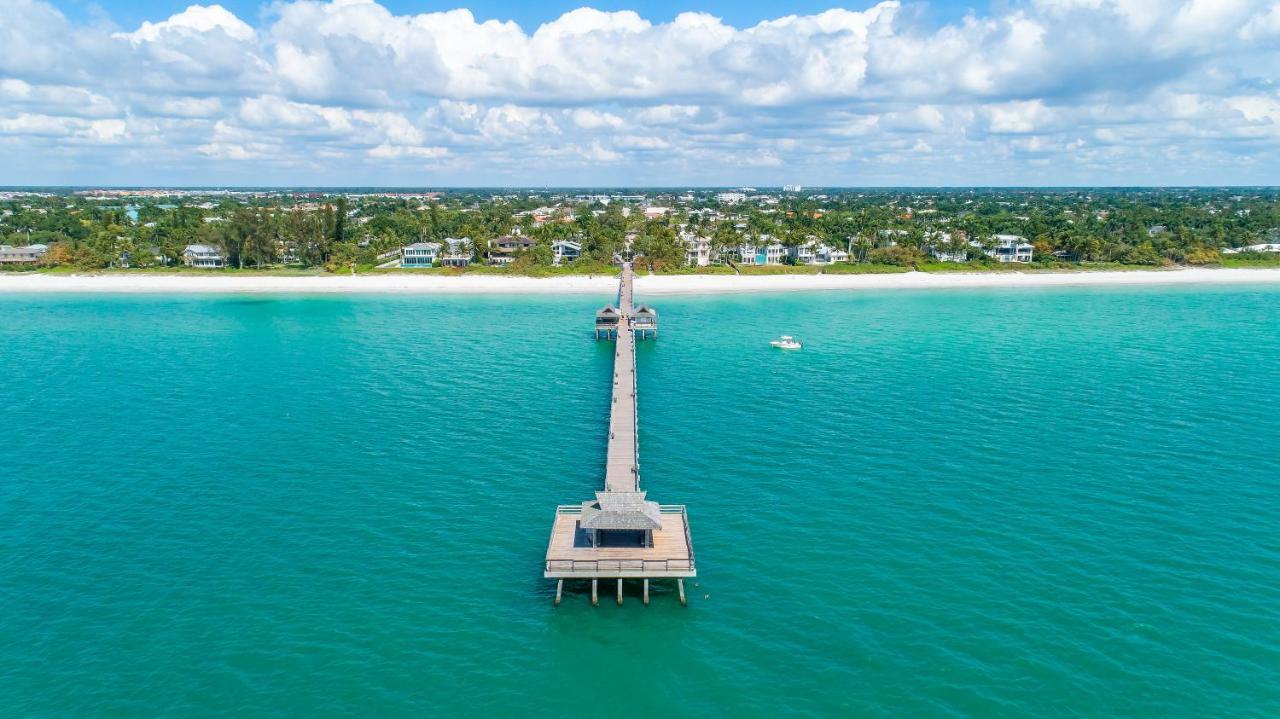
(893, 227)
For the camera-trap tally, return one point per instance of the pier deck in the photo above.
(568, 555)
(663, 548)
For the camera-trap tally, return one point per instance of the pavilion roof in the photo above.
(621, 510)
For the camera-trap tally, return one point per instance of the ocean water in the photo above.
(994, 503)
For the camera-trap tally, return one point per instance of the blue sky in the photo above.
(359, 92)
(528, 14)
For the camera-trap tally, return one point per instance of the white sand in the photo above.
(649, 285)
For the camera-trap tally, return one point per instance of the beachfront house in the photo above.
(943, 248)
(457, 252)
(815, 252)
(29, 254)
(697, 249)
(205, 257)
(503, 250)
(891, 237)
(563, 251)
(420, 254)
(1011, 248)
(766, 251)
(1264, 247)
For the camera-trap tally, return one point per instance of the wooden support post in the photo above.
(595, 597)
(680, 585)
(559, 589)
(619, 591)
(646, 592)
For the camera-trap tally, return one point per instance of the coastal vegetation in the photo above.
(873, 231)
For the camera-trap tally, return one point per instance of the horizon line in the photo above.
(803, 188)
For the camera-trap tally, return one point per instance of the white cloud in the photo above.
(106, 130)
(226, 151)
(64, 99)
(386, 151)
(195, 21)
(640, 142)
(46, 125)
(1263, 25)
(1017, 117)
(595, 152)
(667, 114)
(189, 107)
(326, 86)
(589, 119)
(1258, 108)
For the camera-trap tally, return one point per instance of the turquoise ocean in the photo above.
(997, 503)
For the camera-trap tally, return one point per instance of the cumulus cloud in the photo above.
(194, 22)
(337, 91)
(386, 151)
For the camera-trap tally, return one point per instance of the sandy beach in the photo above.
(649, 285)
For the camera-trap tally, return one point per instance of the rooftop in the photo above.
(620, 510)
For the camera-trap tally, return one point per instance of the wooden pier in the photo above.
(621, 534)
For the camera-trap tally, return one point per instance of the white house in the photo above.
(730, 198)
(1265, 247)
(203, 256)
(939, 247)
(503, 250)
(420, 254)
(457, 252)
(697, 249)
(890, 237)
(1012, 248)
(770, 252)
(815, 252)
(563, 251)
(16, 255)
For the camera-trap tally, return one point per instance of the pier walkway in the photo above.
(622, 470)
(621, 533)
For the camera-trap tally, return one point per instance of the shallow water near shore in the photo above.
(1001, 502)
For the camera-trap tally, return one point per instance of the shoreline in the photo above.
(35, 283)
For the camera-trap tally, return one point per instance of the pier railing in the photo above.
(620, 567)
(635, 405)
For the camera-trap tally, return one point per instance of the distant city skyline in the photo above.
(503, 94)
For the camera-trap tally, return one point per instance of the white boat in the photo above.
(786, 342)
